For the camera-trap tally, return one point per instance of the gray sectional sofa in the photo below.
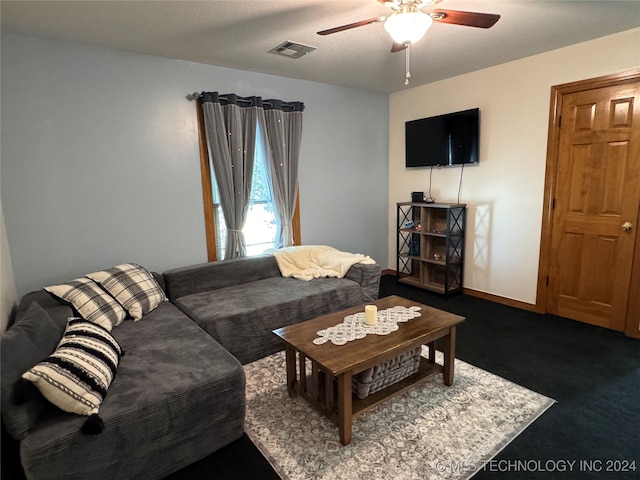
(178, 394)
(239, 302)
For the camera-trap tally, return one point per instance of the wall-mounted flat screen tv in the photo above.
(443, 140)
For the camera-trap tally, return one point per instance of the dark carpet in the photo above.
(593, 432)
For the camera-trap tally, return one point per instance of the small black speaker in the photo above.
(417, 196)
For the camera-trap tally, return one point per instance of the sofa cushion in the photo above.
(76, 377)
(91, 302)
(178, 396)
(368, 277)
(132, 286)
(32, 338)
(214, 275)
(56, 309)
(243, 317)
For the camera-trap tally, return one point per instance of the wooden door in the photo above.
(595, 206)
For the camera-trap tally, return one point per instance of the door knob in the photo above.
(626, 226)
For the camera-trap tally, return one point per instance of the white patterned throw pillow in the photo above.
(132, 286)
(77, 375)
(91, 302)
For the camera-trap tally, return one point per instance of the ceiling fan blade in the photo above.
(352, 25)
(398, 47)
(469, 19)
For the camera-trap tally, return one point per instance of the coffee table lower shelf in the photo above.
(425, 371)
(321, 389)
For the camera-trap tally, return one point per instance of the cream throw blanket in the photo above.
(315, 261)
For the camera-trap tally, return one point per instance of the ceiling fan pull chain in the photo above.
(407, 63)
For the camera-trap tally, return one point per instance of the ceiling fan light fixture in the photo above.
(407, 25)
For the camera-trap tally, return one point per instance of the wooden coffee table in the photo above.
(322, 374)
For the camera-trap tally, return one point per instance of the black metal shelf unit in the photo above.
(430, 248)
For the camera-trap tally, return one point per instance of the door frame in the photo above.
(632, 321)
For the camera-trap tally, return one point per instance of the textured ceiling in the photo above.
(239, 34)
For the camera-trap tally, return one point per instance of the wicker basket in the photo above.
(380, 376)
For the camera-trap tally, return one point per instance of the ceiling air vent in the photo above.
(292, 49)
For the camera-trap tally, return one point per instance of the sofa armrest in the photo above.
(214, 275)
(368, 276)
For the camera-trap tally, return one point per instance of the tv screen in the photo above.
(443, 140)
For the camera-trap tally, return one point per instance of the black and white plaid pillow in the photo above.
(91, 301)
(132, 286)
(77, 375)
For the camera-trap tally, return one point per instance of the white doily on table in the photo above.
(354, 327)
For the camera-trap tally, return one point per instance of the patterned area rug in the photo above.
(429, 432)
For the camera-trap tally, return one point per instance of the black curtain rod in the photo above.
(229, 97)
(249, 101)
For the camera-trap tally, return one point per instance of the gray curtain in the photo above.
(283, 125)
(230, 127)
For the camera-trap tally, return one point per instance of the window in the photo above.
(261, 227)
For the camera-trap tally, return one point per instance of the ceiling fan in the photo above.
(408, 23)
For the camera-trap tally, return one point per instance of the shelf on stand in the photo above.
(430, 254)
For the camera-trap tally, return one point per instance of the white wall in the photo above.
(100, 161)
(504, 193)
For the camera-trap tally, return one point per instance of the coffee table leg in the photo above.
(432, 351)
(291, 370)
(344, 407)
(328, 393)
(449, 356)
